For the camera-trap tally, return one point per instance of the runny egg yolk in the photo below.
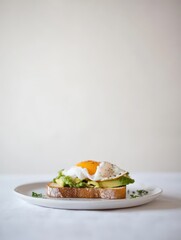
(90, 165)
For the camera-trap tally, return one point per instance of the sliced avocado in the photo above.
(77, 180)
(122, 181)
(110, 183)
(93, 184)
(60, 182)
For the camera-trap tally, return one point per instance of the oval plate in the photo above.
(25, 192)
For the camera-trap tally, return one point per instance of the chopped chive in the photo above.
(133, 196)
(36, 195)
(138, 193)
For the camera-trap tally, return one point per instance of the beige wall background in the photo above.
(82, 79)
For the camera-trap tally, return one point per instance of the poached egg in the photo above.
(95, 171)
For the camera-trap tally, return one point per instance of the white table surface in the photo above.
(160, 219)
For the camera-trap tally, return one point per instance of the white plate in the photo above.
(25, 192)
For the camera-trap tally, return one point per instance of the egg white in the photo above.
(105, 171)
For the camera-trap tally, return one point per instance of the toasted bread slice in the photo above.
(54, 190)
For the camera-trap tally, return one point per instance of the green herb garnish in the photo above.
(142, 192)
(36, 195)
(133, 196)
(138, 193)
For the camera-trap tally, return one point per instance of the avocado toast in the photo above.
(90, 180)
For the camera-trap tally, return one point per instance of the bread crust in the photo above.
(53, 190)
